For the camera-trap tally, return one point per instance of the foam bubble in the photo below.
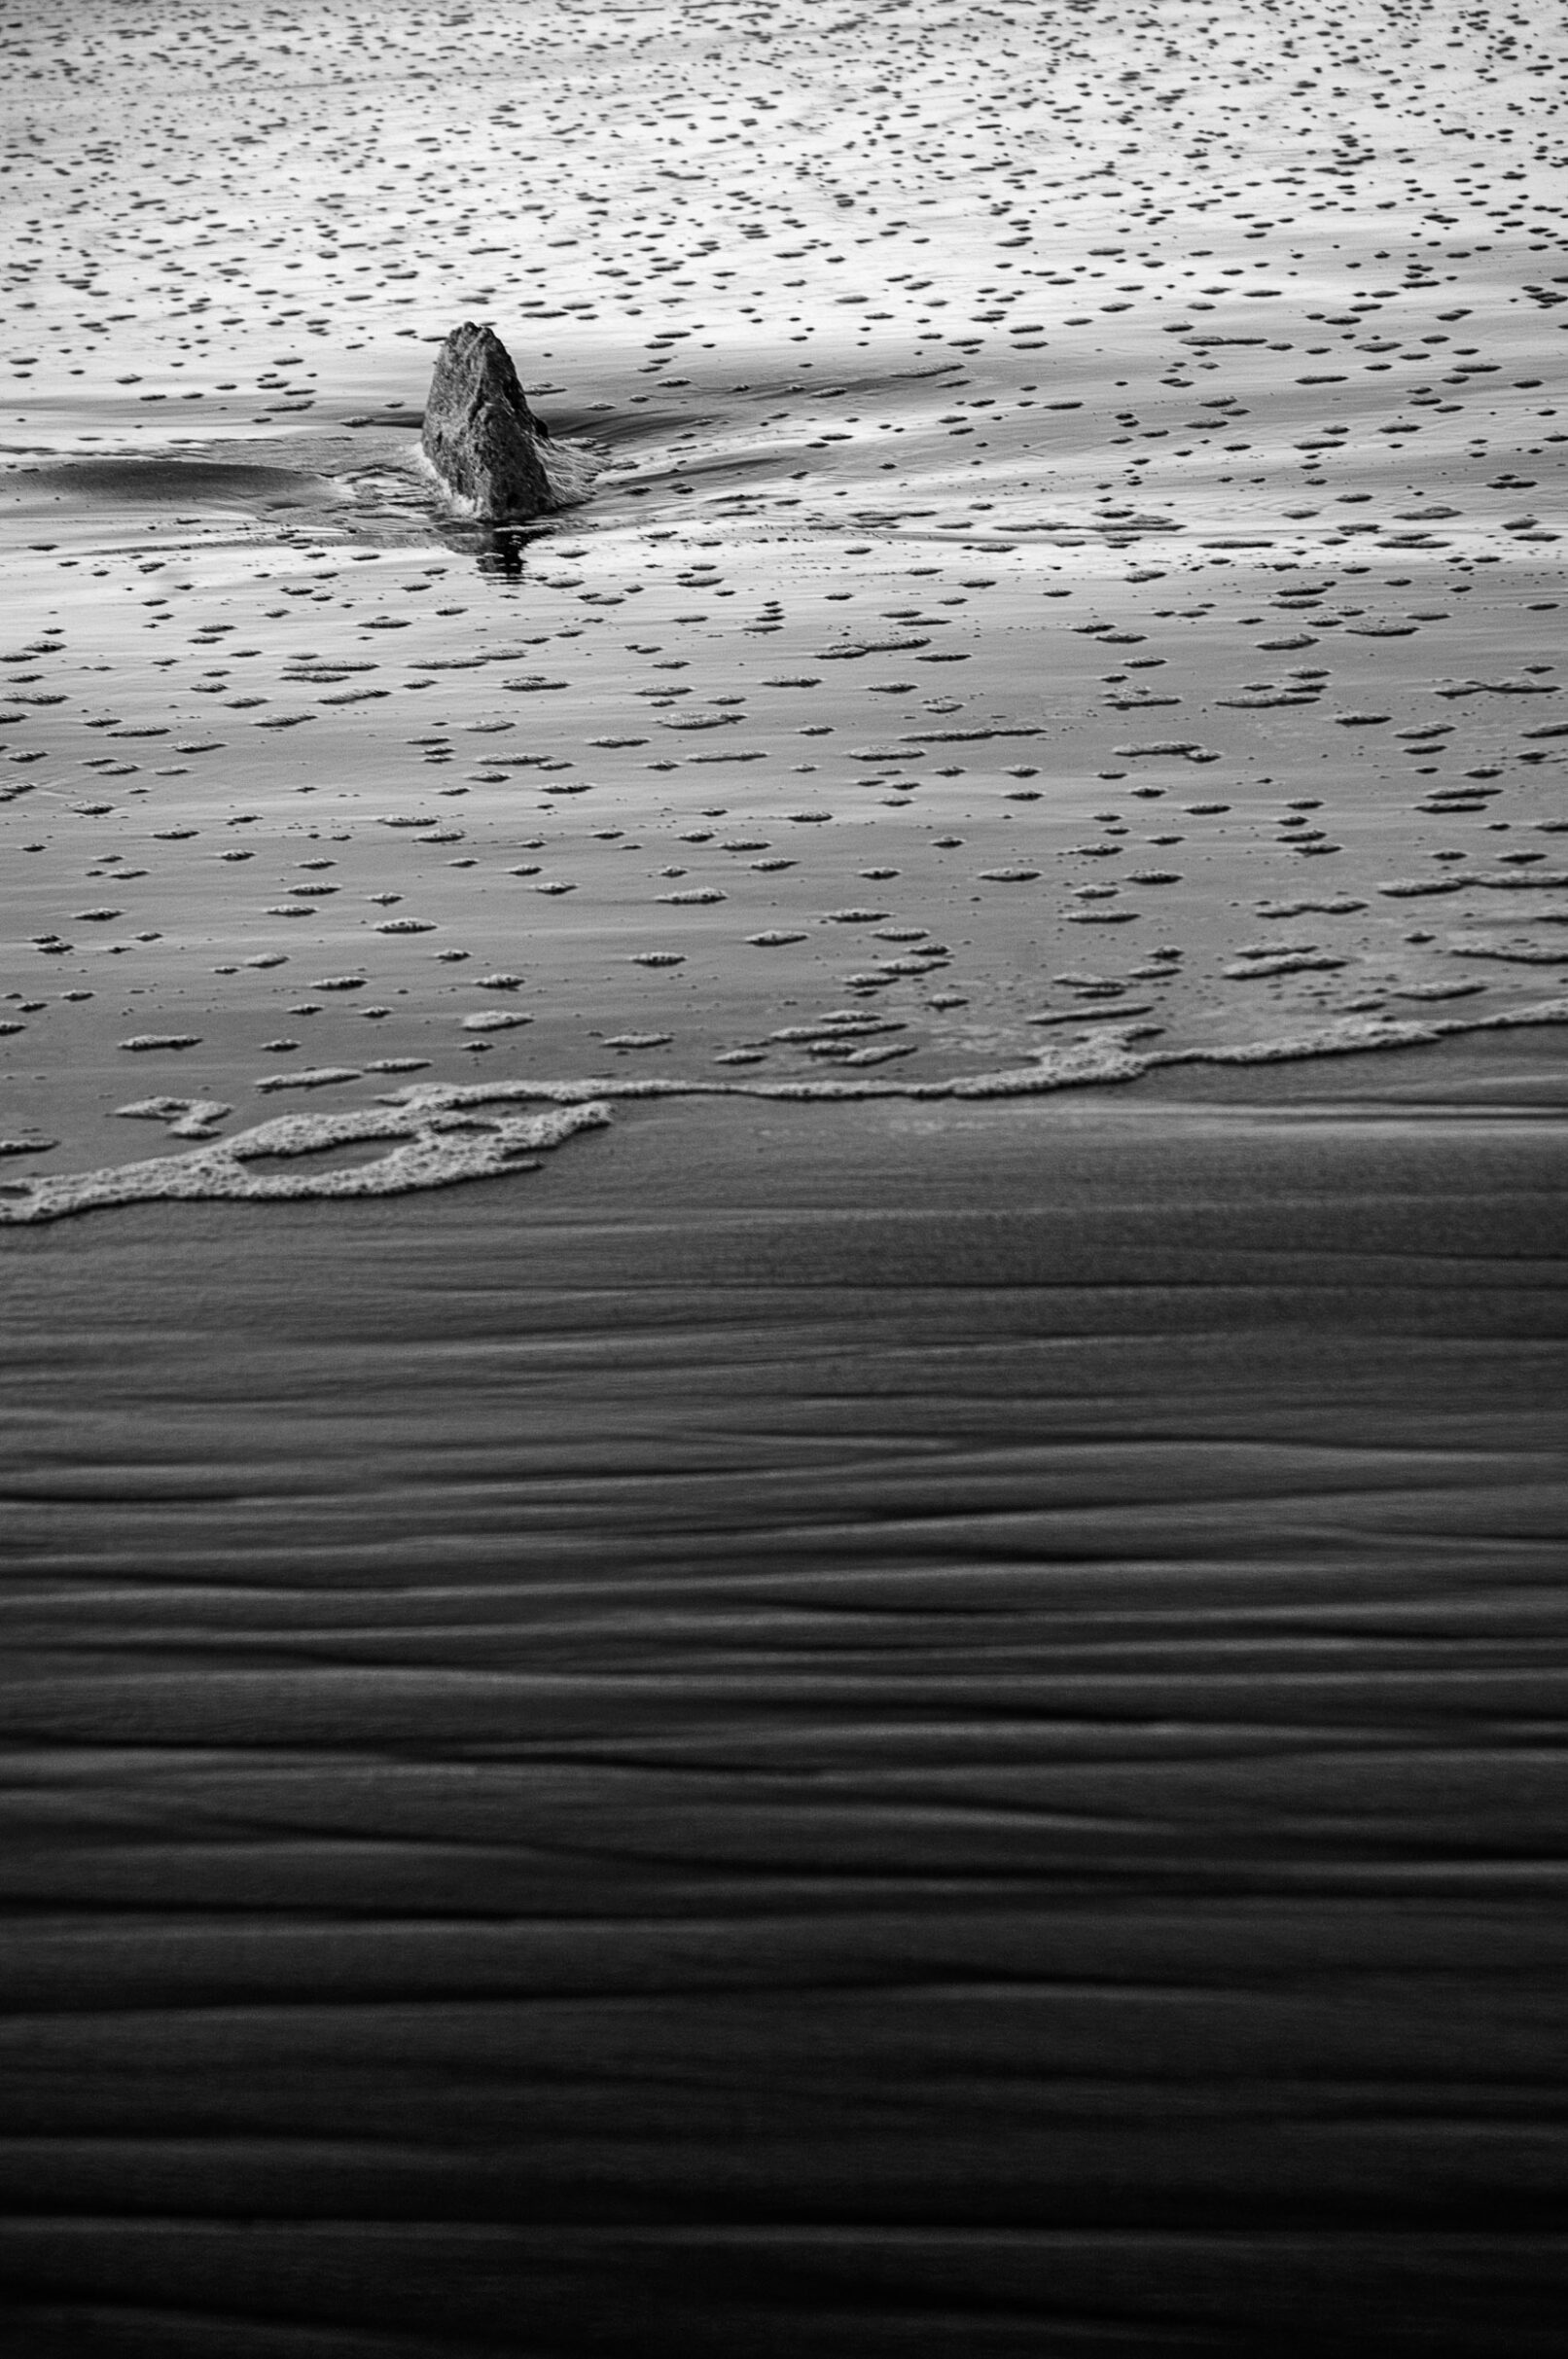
(435, 1146)
(1102, 1056)
(185, 1116)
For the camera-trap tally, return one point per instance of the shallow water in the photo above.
(978, 621)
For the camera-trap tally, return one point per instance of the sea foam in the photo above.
(440, 1132)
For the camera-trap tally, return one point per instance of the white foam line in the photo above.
(441, 1141)
(1084, 1063)
(436, 1147)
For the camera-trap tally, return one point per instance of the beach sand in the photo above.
(936, 1732)
(850, 1641)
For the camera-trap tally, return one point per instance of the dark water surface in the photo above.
(833, 1732)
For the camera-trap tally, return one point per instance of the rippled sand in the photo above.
(926, 1734)
(981, 624)
(908, 1702)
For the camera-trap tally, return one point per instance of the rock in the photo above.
(479, 434)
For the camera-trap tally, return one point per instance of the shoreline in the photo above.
(803, 1734)
(914, 1711)
(444, 1135)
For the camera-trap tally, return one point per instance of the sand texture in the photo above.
(781, 1500)
(945, 1740)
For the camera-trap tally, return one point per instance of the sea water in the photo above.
(1068, 577)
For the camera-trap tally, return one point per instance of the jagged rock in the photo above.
(479, 434)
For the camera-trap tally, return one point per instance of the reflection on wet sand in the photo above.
(904, 1700)
(997, 489)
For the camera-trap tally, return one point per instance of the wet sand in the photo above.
(920, 1731)
(850, 1641)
